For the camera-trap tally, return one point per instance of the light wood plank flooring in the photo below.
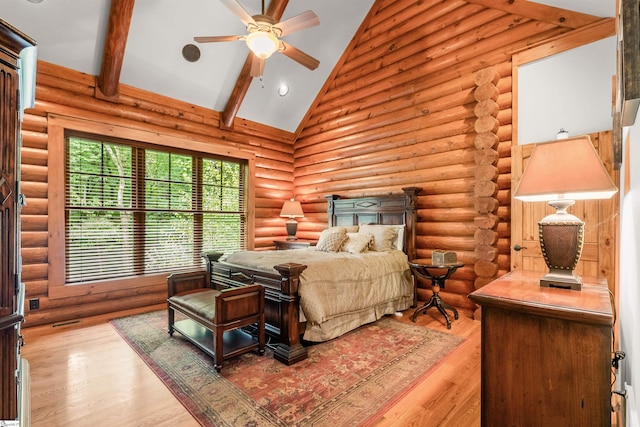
(84, 374)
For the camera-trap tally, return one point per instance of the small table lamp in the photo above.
(292, 209)
(560, 172)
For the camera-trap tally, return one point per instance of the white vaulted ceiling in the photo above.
(71, 33)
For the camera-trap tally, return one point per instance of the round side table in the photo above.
(438, 274)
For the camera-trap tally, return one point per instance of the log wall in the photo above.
(400, 112)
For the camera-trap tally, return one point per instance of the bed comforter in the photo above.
(340, 291)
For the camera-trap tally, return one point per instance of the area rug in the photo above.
(349, 381)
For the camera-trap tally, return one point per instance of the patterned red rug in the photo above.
(349, 381)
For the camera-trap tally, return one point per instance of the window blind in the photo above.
(132, 209)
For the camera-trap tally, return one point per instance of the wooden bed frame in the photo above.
(282, 310)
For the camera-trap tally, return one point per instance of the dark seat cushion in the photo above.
(199, 302)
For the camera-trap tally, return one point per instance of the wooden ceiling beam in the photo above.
(114, 47)
(540, 12)
(275, 10)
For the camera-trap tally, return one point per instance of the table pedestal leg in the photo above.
(436, 301)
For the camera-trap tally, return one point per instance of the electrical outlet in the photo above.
(34, 304)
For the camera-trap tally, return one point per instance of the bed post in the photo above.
(331, 208)
(289, 350)
(411, 218)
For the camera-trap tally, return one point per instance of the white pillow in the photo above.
(357, 243)
(331, 239)
(385, 237)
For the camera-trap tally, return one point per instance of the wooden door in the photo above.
(600, 217)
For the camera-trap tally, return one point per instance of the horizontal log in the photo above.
(485, 189)
(34, 122)
(445, 243)
(486, 172)
(486, 124)
(486, 76)
(34, 272)
(34, 239)
(37, 255)
(486, 253)
(33, 223)
(35, 140)
(486, 107)
(36, 190)
(485, 157)
(485, 237)
(33, 173)
(485, 92)
(486, 205)
(35, 206)
(33, 156)
(445, 201)
(447, 229)
(488, 221)
(486, 268)
(36, 288)
(486, 140)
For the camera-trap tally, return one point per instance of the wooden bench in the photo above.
(214, 317)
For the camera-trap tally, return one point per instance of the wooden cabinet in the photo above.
(12, 42)
(293, 244)
(546, 353)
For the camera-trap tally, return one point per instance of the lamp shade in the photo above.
(292, 209)
(566, 169)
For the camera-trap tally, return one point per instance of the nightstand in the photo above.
(293, 244)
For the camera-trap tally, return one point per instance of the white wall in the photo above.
(630, 273)
(567, 91)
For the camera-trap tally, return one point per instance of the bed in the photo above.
(303, 301)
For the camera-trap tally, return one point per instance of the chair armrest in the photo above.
(186, 281)
(237, 303)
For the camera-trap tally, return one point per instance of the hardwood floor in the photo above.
(84, 374)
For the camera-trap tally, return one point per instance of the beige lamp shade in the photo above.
(560, 172)
(565, 169)
(292, 209)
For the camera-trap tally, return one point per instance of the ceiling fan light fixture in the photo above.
(262, 43)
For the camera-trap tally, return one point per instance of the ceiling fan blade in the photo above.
(299, 56)
(257, 66)
(209, 39)
(239, 11)
(299, 22)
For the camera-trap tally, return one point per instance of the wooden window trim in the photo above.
(57, 125)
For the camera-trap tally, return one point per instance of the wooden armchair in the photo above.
(214, 317)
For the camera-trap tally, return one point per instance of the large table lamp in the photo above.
(561, 172)
(292, 209)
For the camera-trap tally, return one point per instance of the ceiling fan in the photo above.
(263, 36)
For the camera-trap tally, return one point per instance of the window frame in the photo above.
(58, 127)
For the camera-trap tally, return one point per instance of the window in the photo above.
(134, 209)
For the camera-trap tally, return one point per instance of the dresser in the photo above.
(546, 353)
(14, 375)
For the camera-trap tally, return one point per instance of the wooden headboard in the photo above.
(389, 210)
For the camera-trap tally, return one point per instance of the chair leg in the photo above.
(218, 335)
(171, 318)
